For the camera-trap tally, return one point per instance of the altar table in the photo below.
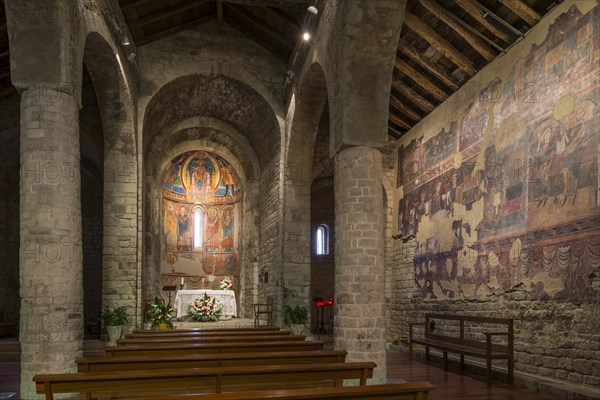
(184, 298)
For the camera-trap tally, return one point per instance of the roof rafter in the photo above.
(421, 80)
(476, 12)
(413, 96)
(426, 63)
(415, 24)
(167, 12)
(523, 10)
(478, 44)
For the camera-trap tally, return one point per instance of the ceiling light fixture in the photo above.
(313, 10)
(306, 36)
(125, 41)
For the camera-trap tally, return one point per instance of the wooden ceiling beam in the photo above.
(260, 24)
(404, 109)
(167, 12)
(478, 14)
(412, 96)
(399, 121)
(421, 80)
(176, 29)
(270, 3)
(426, 63)
(523, 10)
(478, 44)
(131, 3)
(442, 45)
(220, 11)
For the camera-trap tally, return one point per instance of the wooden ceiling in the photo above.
(443, 43)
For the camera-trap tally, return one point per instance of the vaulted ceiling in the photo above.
(443, 43)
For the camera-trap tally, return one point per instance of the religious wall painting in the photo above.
(411, 163)
(527, 213)
(477, 116)
(198, 225)
(441, 145)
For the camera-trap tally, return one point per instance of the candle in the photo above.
(182, 280)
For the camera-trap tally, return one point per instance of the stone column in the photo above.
(51, 326)
(359, 324)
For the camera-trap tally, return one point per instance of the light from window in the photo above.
(322, 240)
(198, 228)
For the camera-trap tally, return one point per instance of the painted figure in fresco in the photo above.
(212, 229)
(454, 192)
(437, 203)
(184, 242)
(200, 178)
(227, 227)
(170, 226)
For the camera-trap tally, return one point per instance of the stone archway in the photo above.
(305, 112)
(217, 113)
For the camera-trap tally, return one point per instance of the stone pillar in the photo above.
(51, 326)
(359, 324)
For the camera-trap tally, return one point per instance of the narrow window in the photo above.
(322, 240)
(198, 222)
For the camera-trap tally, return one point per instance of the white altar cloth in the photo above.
(184, 298)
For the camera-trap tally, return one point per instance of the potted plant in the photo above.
(160, 314)
(114, 319)
(295, 318)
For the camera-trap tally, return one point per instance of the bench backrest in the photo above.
(174, 333)
(208, 380)
(108, 364)
(402, 391)
(207, 348)
(460, 335)
(215, 329)
(207, 339)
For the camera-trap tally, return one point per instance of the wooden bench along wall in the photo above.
(200, 330)
(114, 364)
(199, 380)
(467, 347)
(175, 334)
(207, 339)
(401, 391)
(207, 348)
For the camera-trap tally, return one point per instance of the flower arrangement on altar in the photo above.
(226, 284)
(205, 309)
(320, 302)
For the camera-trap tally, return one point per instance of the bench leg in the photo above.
(489, 371)
(510, 371)
(410, 351)
(462, 362)
(445, 361)
(427, 353)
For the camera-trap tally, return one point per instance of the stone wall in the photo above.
(497, 201)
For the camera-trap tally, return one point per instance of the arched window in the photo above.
(322, 240)
(198, 228)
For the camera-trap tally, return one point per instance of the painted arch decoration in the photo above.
(200, 216)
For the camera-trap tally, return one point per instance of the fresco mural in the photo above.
(507, 195)
(200, 207)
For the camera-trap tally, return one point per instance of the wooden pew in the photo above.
(217, 329)
(202, 380)
(452, 337)
(207, 339)
(114, 364)
(208, 348)
(401, 391)
(174, 333)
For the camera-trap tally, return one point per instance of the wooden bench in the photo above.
(199, 330)
(113, 364)
(207, 339)
(176, 334)
(208, 348)
(202, 380)
(464, 346)
(400, 391)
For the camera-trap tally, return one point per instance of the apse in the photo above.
(201, 220)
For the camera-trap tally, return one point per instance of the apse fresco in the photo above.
(507, 195)
(200, 216)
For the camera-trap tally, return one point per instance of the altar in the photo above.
(184, 298)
